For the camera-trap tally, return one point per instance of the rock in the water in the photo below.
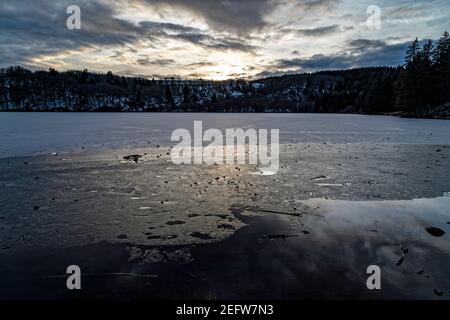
(133, 157)
(435, 232)
(202, 236)
(438, 292)
(174, 223)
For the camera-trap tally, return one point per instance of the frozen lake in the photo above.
(24, 134)
(352, 191)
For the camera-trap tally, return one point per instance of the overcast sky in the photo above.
(213, 39)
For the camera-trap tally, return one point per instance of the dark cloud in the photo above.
(34, 28)
(157, 62)
(317, 32)
(310, 5)
(197, 75)
(237, 16)
(237, 75)
(406, 10)
(359, 53)
(163, 31)
(201, 64)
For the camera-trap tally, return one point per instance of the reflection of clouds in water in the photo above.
(331, 260)
(354, 234)
(402, 220)
(386, 213)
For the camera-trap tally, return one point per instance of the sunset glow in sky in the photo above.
(213, 39)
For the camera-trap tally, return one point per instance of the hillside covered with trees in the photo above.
(420, 88)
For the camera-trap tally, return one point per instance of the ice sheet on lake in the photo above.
(43, 133)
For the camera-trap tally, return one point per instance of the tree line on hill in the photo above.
(418, 88)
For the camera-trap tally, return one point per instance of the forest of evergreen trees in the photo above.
(424, 82)
(419, 88)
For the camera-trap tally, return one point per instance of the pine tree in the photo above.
(442, 48)
(427, 53)
(424, 77)
(411, 53)
(441, 59)
(408, 86)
